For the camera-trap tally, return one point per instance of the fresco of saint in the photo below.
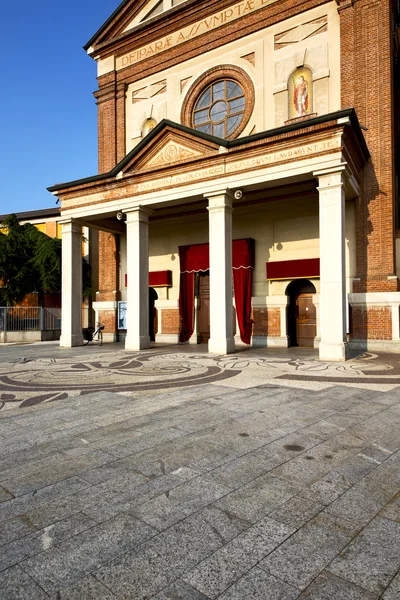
(300, 93)
(300, 96)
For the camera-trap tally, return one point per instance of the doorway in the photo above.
(153, 296)
(202, 292)
(301, 315)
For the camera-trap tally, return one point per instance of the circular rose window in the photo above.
(220, 102)
(220, 109)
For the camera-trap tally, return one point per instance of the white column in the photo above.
(220, 238)
(71, 285)
(333, 344)
(137, 255)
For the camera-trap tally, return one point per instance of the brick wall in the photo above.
(371, 323)
(108, 318)
(108, 277)
(106, 98)
(366, 79)
(267, 322)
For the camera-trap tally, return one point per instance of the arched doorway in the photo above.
(301, 317)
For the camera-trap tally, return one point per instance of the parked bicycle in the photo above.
(93, 335)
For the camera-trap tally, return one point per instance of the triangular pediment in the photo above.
(128, 15)
(169, 146)
(151, 9)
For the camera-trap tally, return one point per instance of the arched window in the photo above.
(300, 87)
(220, 102)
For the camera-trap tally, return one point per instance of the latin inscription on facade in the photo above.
(264, 160)
(216, 20)
(278, 157)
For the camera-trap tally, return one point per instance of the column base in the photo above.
(333, 352)
(70, 341)
(226, 346)
(143, 343)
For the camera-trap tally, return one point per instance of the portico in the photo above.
(177, 172)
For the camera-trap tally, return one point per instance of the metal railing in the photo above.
(29, 318)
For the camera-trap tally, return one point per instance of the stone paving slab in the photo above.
(173, 475)
(257, 585)
(328, 587)
(218, 572)
(309, 550)
(372, 559)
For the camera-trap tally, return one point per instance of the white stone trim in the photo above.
(106, 305)
(263, 341)
(321, 74)
(376, 345)
(166, 304)
(375, 299)
(167, 338)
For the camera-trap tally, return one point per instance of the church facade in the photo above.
(247, 188)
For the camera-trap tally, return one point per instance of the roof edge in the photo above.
(349, 113)
(34, 214)
(105, 24)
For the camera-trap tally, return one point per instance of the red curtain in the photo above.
(243, 258)
(196, 258)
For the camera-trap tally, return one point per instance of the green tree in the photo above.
(30, 261)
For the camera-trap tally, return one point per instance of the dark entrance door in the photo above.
(306, 320)
(153, 296)
(203, 314)
(301, 316)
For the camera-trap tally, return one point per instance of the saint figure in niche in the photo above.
(300, 96)
(300, 93)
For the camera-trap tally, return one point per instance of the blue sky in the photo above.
(48, 114)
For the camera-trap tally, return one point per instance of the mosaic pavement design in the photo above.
(30, 381)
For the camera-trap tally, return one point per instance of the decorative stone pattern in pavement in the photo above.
(30, 379)
(175, 476)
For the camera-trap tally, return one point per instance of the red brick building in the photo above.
(247, 171)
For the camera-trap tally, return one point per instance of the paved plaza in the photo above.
(173, 474)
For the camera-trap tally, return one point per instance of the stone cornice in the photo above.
(343, 4)
(185, 14)
(281, 147)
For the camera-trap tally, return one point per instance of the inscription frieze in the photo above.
(276, 157)
(295, 154)
(227, 15)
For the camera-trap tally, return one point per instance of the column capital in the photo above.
(218, 198)
(329, 179)
(338, 170)
(138, 213)
(71, 226)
